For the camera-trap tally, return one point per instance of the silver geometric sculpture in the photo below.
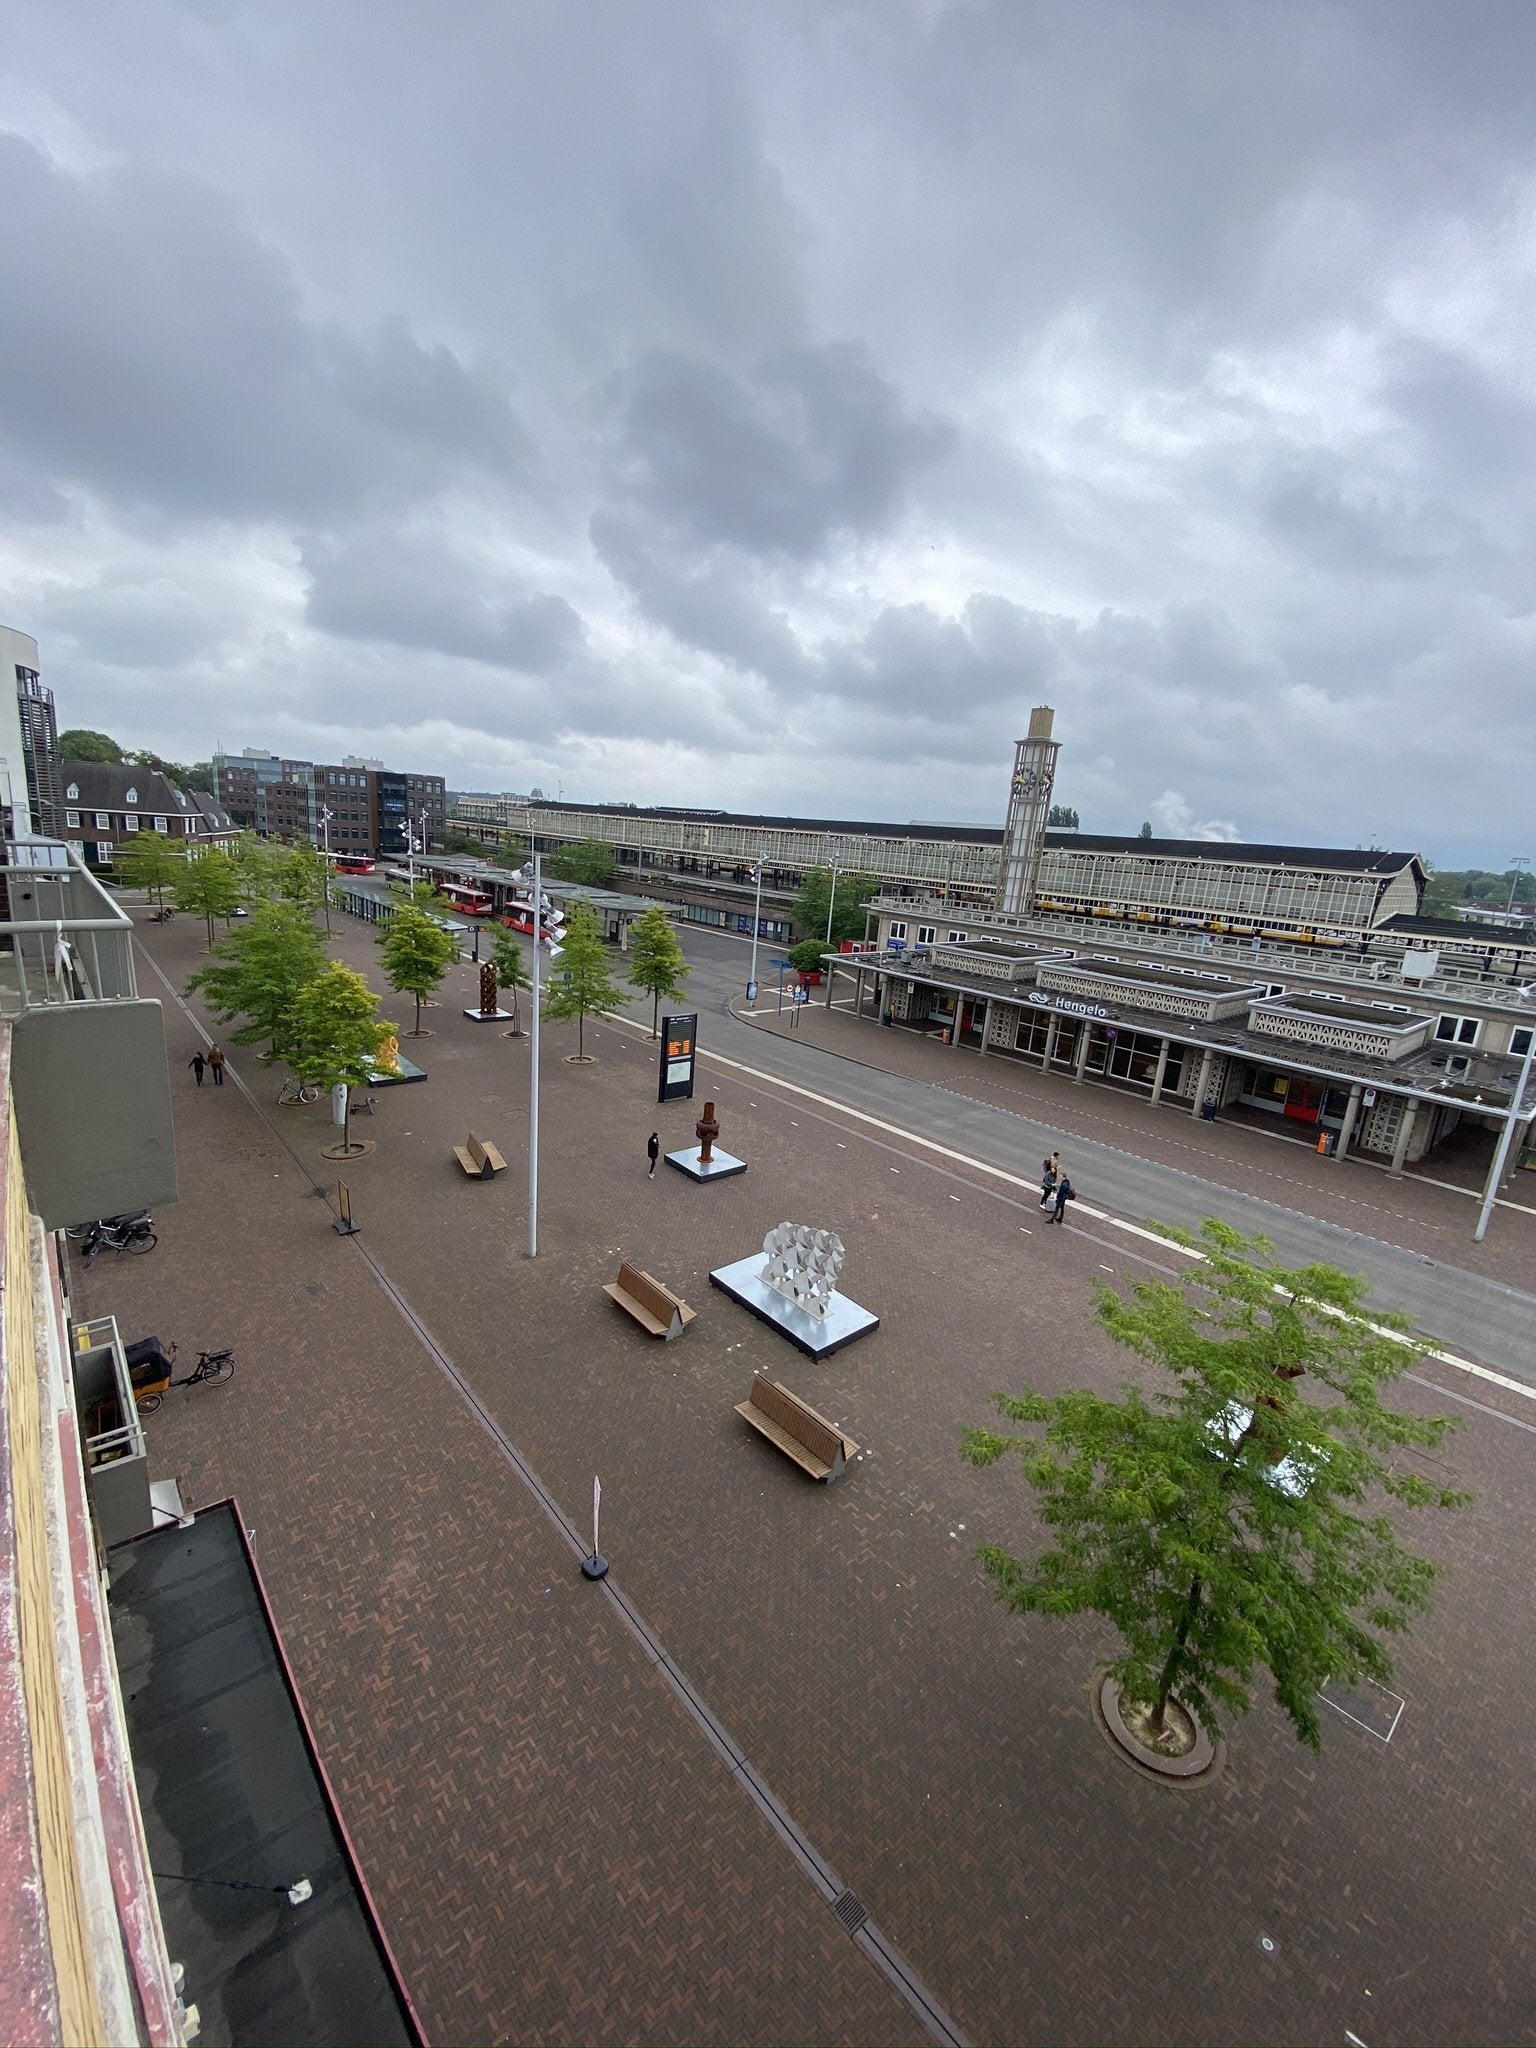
(803, 1265)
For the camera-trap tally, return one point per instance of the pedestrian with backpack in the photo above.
(1064, 1193)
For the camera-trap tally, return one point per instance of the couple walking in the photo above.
(215, 1060)
(1055, 1189)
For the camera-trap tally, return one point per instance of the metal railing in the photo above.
(63, 938)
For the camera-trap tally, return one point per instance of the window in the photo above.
(73, 790)
(925, 935)
(957, 938)
(132, 821)
(103, 820)
(898, 930)
(131, 796)
(1458, 1030)
(1520, 1042)
(161, 824)
(72, 818)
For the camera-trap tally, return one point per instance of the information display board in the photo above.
(679, 1045)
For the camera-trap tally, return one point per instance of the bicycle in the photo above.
(212, 1369)
(297, 1091)
(81, 1233)
(137, 1237)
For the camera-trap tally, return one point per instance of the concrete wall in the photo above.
(93, 1109)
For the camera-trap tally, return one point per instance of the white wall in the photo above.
(16, 650)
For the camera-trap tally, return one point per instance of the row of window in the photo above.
(927, 934)
(130, 821)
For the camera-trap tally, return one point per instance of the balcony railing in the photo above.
(62, 937)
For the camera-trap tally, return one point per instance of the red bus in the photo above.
(466, 899)
(353, 864)
(518, 917)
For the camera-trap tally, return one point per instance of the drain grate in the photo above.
(850, 1911)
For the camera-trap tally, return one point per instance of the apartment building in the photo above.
(355, 805)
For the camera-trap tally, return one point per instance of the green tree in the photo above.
(1146, 829)
(185, 774)
(806, 957)
(256, 862)
(304, 878)
(511, 970)
(581, 982)
(416, 952)
(1215, 1520)
(81, 744)
(590, 863)
(337, 1035)
(258, 972)
(816, 893)
(657, 962)
(209, 887)
(1063, 817)
(148, 861)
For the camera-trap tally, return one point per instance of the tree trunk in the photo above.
(1165, 1684)
(581, 1034)
(417, 1032)
(655, 1011)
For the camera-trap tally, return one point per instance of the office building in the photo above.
(355, 805)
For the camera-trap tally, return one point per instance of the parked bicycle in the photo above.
(161, 916)
(79, 1232)
(119, 1234)
(151, 1365)
(298, 1091)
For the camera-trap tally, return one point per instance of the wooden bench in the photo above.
(479, 1160)
(654, 1307)
(816, 1445)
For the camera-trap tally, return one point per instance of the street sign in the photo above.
(751, 991)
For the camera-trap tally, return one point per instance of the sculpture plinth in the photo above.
(702, 1162)
(490, 1010)
(794, 1289)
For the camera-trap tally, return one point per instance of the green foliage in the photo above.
(415, 952)
(337, 1034)
(1146, 829)
(258, 972)
(590, 863)
(304, 877)
(1063, 817)
(209, 887)
(657, 962)
(579, 981)
(512, 974)
(1225, 1519)
(81, 744)
(148, 860)
(1447, 889)
(256, 861)
(816, 892)
(806, 957)
(186, 775)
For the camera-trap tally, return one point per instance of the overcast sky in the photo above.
(765, 406)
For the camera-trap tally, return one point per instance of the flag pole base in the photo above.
(594, 1567)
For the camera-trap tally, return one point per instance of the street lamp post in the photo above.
(1507, 1135)
(757, 919)
(522, 875)
(1519, 861)
(832, 897)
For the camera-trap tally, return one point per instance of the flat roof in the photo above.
(236, 1806)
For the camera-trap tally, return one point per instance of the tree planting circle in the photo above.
(1201, 1759)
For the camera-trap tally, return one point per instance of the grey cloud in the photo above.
(155, 349)
(413, 590)
(1354, 525)
(817, 445)
(947, 671)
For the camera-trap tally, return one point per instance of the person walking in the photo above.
(197, 1063)
(1065, 1192)
(216, 1061)
(1050, 1173)
(653, 1153)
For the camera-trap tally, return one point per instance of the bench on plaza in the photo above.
(479, 1160)
(654, 1307)
(800, 1431)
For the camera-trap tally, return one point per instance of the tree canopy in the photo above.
(80, 743)
(209, 887)
(657, 963)
(415, 952)
(1229, 1516)
(816, 892)
(257, 973)
(1063, 817)
(1447, 889)
(148, 861)
(590, 863)
(580, 981)
(337, 1034)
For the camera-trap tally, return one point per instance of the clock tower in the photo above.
(1029, 805)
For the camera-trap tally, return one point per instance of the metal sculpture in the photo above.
(706, 1130)
(803, 1265)
(490, 1004)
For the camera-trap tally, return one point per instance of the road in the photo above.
(1473, 1316)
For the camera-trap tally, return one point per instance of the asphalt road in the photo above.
(1476, 1318)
